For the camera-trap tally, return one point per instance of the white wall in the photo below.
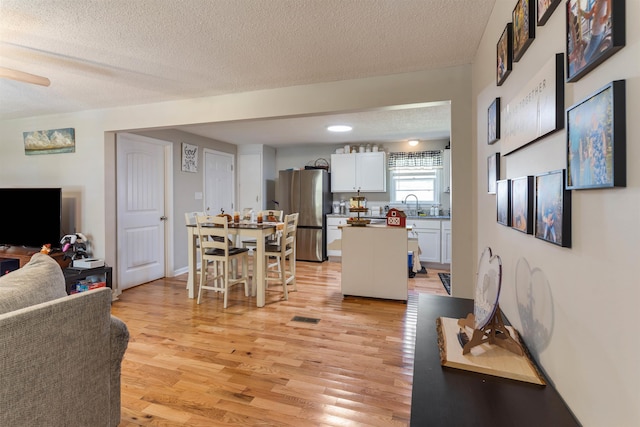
(89, 171)
(573, 305)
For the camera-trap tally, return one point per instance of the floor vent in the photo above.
(304, 319)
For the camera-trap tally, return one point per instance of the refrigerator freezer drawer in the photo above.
(309, 244)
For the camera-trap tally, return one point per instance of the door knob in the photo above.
(163, 218)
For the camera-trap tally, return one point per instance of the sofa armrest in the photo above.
(119, 341)
(55, 362)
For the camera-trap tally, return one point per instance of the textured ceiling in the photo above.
(101, 54)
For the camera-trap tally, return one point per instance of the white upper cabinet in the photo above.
(364, 171)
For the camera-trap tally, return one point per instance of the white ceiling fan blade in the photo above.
(21, 76)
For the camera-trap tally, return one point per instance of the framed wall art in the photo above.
(537, 109)
(503, 201)
(545, 9)
(493, 172)
(54, 141)
(493, 121)
(524, 27)
(189, 157)
(553, 209)
(504, 54)
(522, 204)
(596, 139)
(595, 31)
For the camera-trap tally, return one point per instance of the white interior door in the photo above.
(218, 182)
(141, 209)
(250, 181)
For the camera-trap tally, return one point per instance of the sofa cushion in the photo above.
(40, 280)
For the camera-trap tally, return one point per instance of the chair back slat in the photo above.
(213, 237)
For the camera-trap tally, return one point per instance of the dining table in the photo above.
(240, 229)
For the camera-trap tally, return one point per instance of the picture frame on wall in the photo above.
(553, 209)
(522, 204)
(493, 121)
(493, 172)
(545, 9)
(503, 202)
(504, 54)
(596, 139)
(595, 31)
(189, 158)
(524, 27)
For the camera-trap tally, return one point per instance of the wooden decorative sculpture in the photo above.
(486, 320)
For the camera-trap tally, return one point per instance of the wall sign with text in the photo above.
(189, 157)
(538, 109)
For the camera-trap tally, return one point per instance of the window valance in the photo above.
(417, 159)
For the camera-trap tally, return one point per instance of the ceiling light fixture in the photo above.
(413, 142)
(339, 128)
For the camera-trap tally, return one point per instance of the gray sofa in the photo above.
(60, 355)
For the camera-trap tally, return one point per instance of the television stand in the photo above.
(24, 254)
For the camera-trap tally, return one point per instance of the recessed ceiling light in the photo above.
(339, 128)
(413, 142)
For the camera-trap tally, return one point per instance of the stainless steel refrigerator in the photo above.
(307, 192)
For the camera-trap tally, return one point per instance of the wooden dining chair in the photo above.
(269, 215)
(218, 255)
(190, 219)
(283, 273)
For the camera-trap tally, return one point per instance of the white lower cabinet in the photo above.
(428, 232)
(446, 242)
(434, 239)
(334, 236)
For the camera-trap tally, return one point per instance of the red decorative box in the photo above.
(396, 218)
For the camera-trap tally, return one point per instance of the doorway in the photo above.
(219, 182)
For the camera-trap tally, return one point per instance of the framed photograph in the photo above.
(545, 9)
(595, 31)
(596, 140)
(493, 121)
(553, 209)
(504, 54)
(522, 204)
(524, 27)
(493, 172)
(503, 201)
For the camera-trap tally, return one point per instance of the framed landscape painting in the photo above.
(503, 201)
(522, 204)
(553, 209)
(524, 27)
(493, 172)
(504, 54)
(596, 140)
(493, 121)
(595, 31)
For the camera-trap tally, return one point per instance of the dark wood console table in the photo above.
(23, 255)
(453, 397)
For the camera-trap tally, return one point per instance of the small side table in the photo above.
(72, 275)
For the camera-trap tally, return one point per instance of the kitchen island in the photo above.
(374, 262)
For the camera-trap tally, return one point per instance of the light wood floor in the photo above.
(202, 365)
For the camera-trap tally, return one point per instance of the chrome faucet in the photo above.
(417, 203)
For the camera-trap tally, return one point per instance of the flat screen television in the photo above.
(31, 217)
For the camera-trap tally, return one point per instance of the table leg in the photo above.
(191, 245)
(258, 274)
